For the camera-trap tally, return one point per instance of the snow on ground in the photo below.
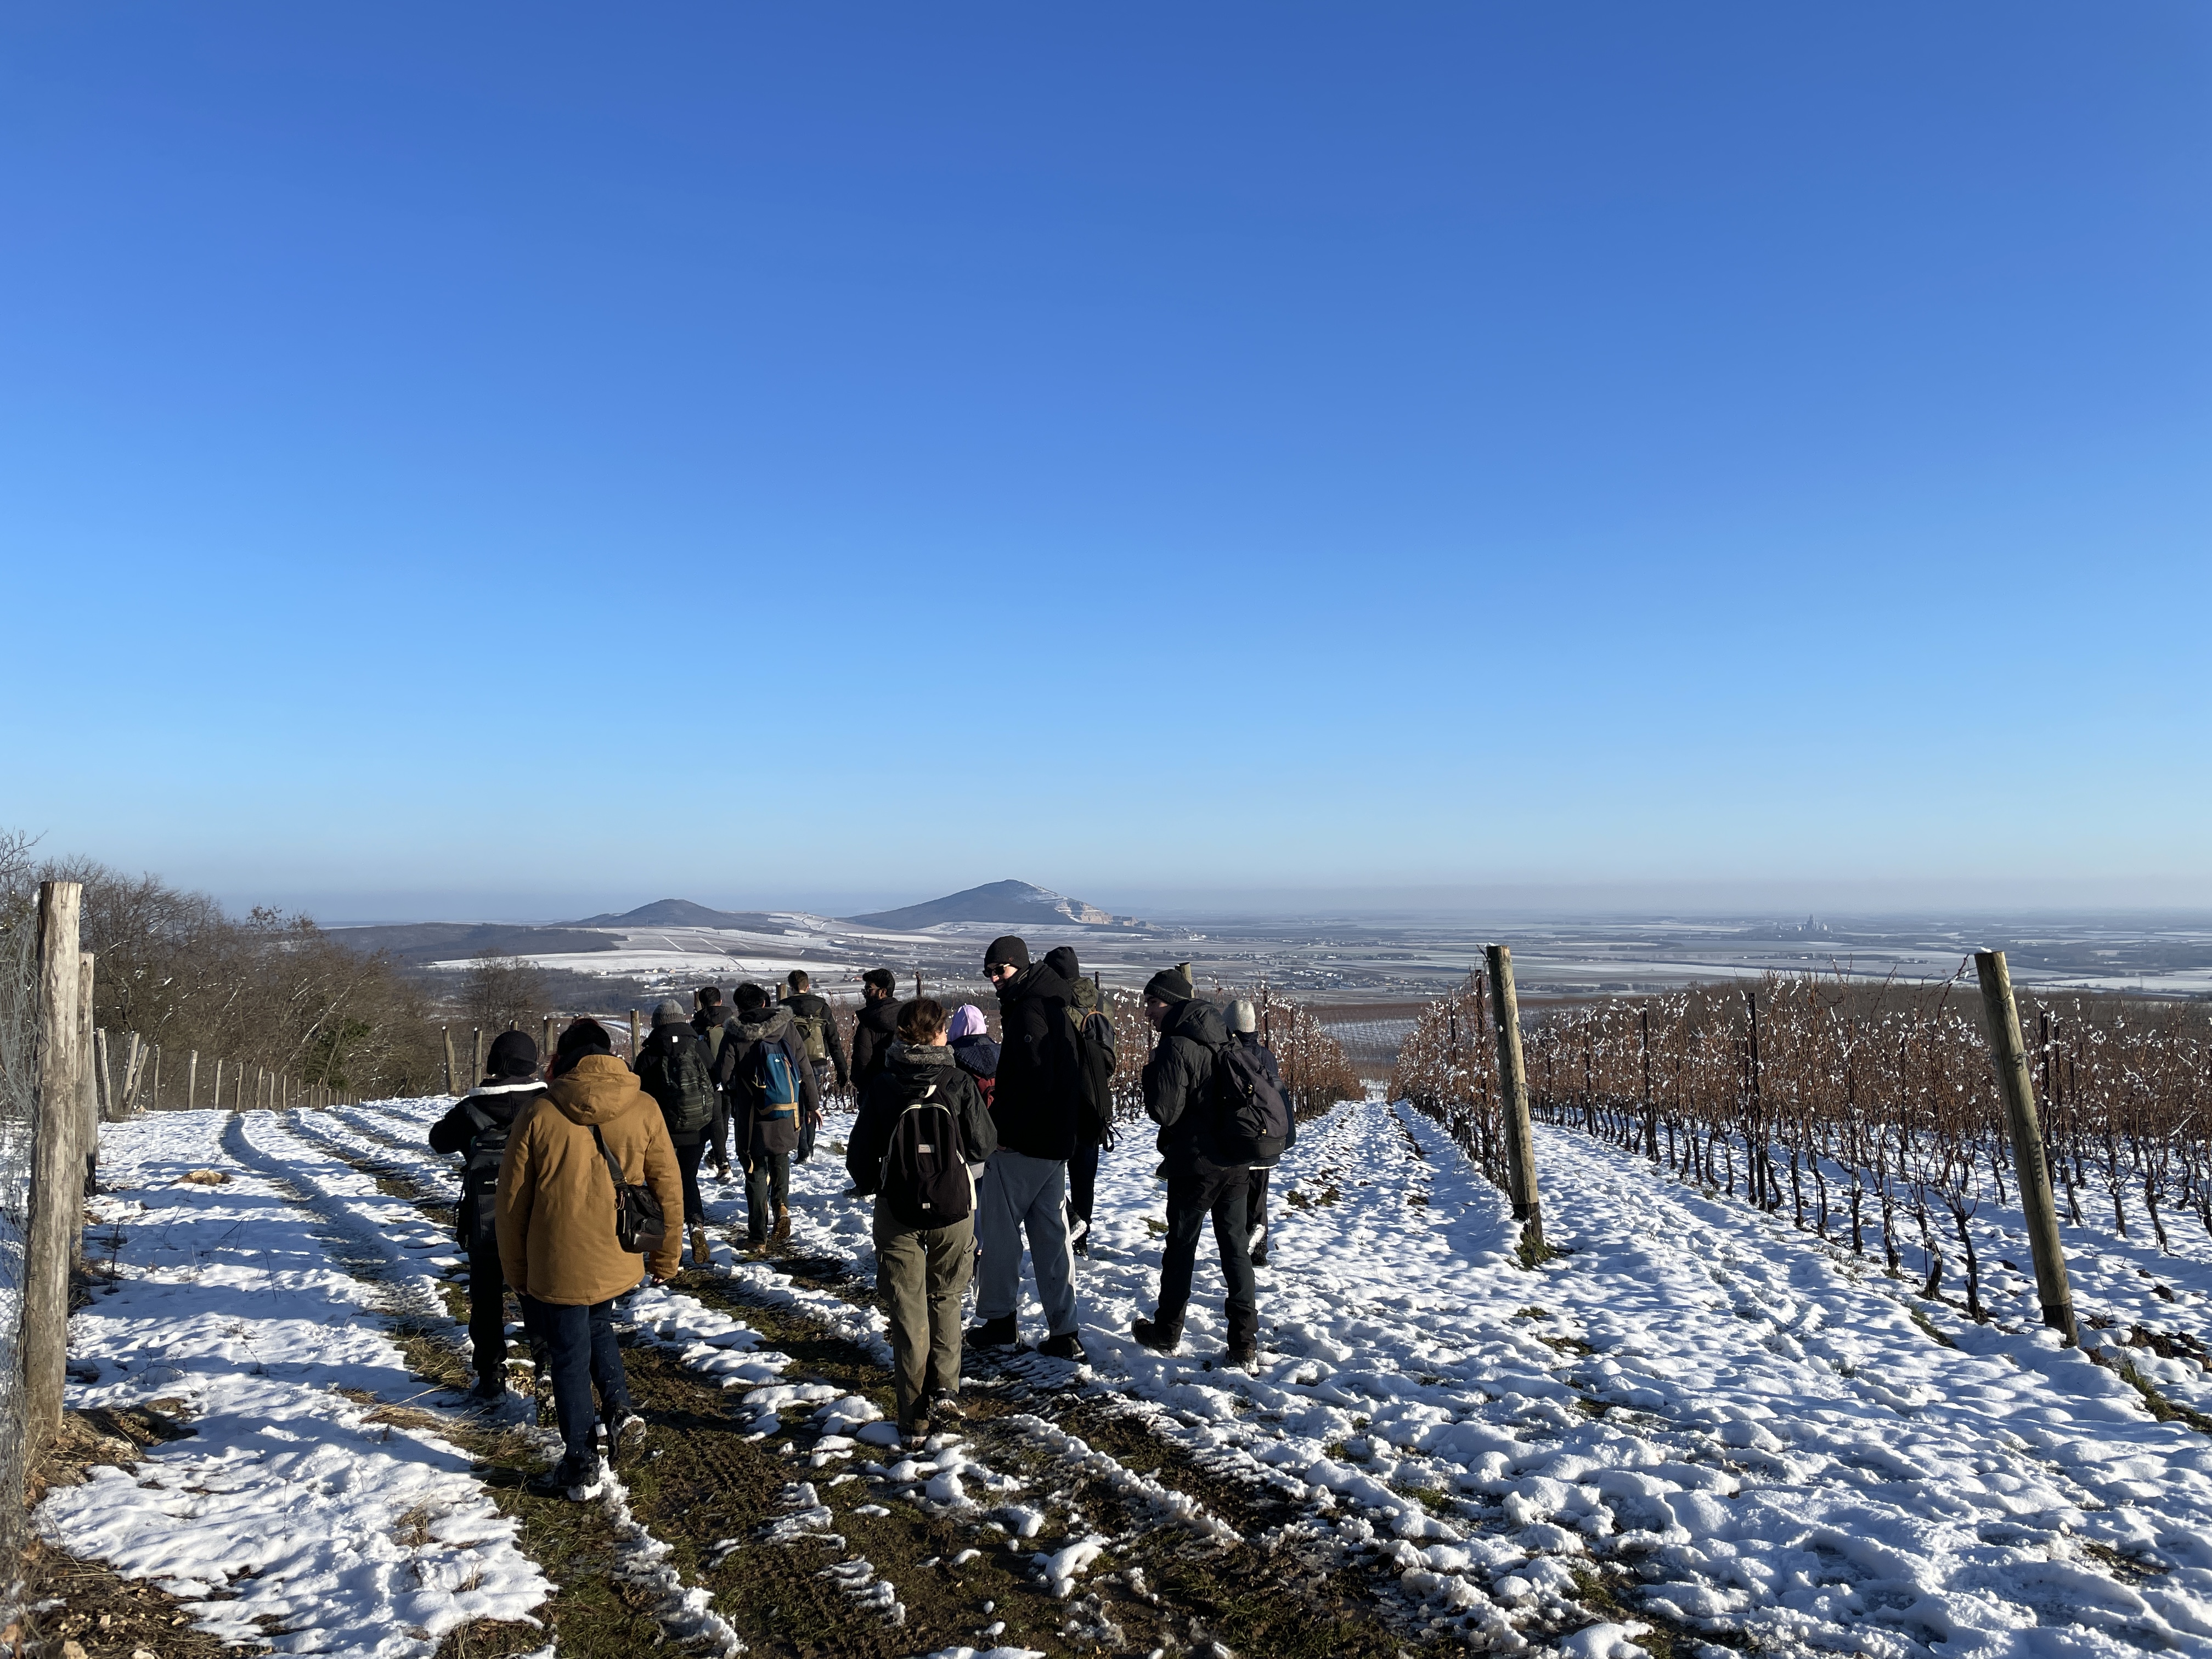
(1759, 1428)
(288, 1502)
(1774, 1439)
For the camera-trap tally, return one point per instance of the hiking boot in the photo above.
(998, 1333)
(700, 1253)
(1079, 1235)
(625, 1431)
(781, 1236)
(490, 1386)
(1162, 1335)
(1243, 1357)
(756, 1242)
(1063, 1347)
(944, 1406)
(574, 1479)
(1260, 1256)
(914, 1434)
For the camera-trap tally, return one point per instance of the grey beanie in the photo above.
(1241, 1016)
(671, 1012)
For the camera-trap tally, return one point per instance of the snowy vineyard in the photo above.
(1700, 1427)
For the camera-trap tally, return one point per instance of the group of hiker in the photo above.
(970, 1147)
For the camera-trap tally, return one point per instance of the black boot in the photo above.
(999, 1332)
(1162, 1331)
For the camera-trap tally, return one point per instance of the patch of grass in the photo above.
(2128, 1569)
(2164, 1410)
(1927, 1328)
(1532, 1313)
(1534, 1252)
(1436, 1501)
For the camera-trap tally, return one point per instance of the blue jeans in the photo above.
(579, 1343)
(1021, 1194)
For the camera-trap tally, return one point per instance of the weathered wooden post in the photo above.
(57, 1194)
(88, 1086)
(192, 1079)
(452, 1083)
(634, 1042)
(1513, 1081)
(474, 1075)
(2009, 1055)
(157, 1078)
(545, 1048)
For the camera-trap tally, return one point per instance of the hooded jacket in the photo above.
(873, 1036)
(1179, 1088)
(1033, 1097)
(556, 1196)
(665, 1063)
(908, 1075)
(734, 1069)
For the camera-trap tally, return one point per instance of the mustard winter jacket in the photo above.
(556, 1196)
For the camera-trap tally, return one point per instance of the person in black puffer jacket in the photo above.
(767, 1134)
(1025, 1186)
(672, 1067)
(477, 1127)
(1179, 1097)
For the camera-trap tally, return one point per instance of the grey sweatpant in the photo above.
(1018, 1193)
(921, 1274)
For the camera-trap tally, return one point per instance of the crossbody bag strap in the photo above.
(613, 1167)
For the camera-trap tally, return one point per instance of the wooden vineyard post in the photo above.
(192, 1079)
(452, 1087)
(545, 1048)
(57, 1198)
(633, 1039)
(157, 1101)
(917, 985)
(87, 1086)
(2009, 1055)
(1513, 1080)
(479, 1071)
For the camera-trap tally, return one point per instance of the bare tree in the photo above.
(503, 991)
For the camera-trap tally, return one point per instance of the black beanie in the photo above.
(512, 1054)
(882, 978)
(1011, 949)
(1171, 984)
(1062, 960)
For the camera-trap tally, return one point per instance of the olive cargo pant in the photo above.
(921, 1273)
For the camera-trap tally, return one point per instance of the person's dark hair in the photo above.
(708, 996)
(882, 978)
(584, 1037)
(798, 980)
(921, 1021)
(750, 997)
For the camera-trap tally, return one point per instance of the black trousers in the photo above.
(1082, 1182)
(687, 1160)
(1255, 1206)
(487, 1311)
(1219, 1193)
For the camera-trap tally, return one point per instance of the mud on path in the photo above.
(1188, 1556)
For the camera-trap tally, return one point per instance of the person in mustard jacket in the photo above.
(557, 1244)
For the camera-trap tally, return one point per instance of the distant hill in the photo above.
(1009, 904)
(682, 913)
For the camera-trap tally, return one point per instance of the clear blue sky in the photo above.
(505, 459)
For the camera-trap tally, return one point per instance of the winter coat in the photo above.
(1035, 1096)
(478, 1125)
(1179, 1089)
(873, 1037)
(755, 1131)
(1275, 1075)
(906, 1075)
(557, 1195)
(662, 1061)
(978, 1056)
(807, 1005)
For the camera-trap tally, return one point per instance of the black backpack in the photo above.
(1094, 1083)
(479, 1206)
(1251, 1118)
(677, 1076)
(924, 1174)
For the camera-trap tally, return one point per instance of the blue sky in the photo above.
(511, 460)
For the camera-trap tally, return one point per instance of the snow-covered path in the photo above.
(1697, 1414)
(1761, 1432)
(293, 1506)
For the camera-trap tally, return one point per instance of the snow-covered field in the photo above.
(1698, 1425)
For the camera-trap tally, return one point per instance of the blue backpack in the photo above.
(777, 1079)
